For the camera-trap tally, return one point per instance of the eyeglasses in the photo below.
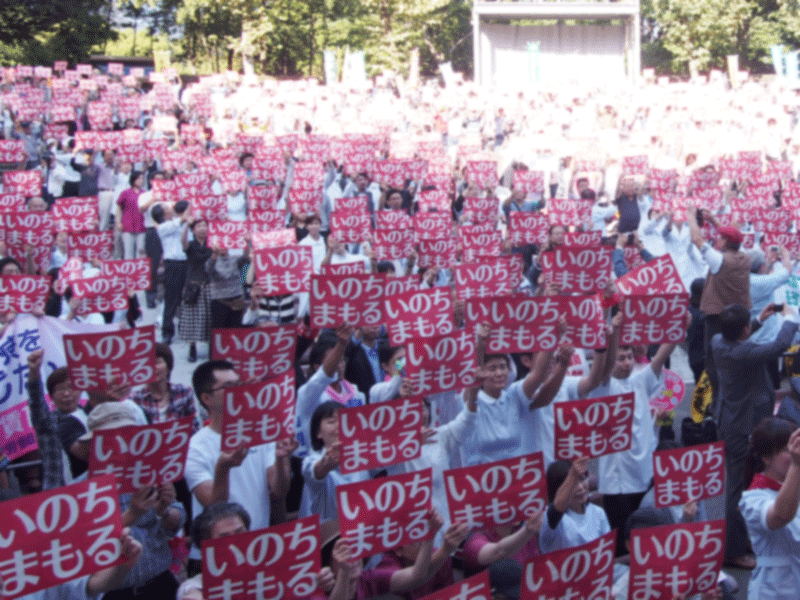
(224, 386)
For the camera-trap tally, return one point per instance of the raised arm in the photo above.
(511, 544)
(695, 233)
(550, 387)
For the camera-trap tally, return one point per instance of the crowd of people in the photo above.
(656, 170)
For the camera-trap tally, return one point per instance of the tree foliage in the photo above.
(706, 31)
(38, 32)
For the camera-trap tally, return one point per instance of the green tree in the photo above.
(37, 32)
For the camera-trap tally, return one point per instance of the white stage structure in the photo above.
(533, 43)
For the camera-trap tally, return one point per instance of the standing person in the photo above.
(131, 222)
(194, 320)
(769, 507)
(746, 396)
(170, 224)
(727, 282)
(106, 182)
(227, 292)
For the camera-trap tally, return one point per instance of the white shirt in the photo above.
(630, 472)
(574, 529)
(319, 495)
(777, 572)
(170, 234)
(247, 483)
(318, 250)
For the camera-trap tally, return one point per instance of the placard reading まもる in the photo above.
(258, 352)
(379, 435)
(505, 491)
(594, 427)
(141, 455)
(382, 514)
(692, 473)
(56, 536)
(279, 562)
(96, 361)
(674, 560)
(583, 572)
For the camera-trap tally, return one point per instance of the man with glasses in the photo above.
(253, 477)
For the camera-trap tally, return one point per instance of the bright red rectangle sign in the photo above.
(654, 319)
(419, 314)
(676, 560)
(527, 227)
(143, 455)
(56, 536)
(576, 269)
(23, 293)
(381, 514)
(658, 276)
(392, 244)
(355, 299)
(497, 493)
(135, 271)
(519, 323)
(692, 473)
(583, 572)
(283, 270)
(258, 352)
(279, 562)
(378, 435)
(593, 427)
(258, 413)
(97, 360)
(441, 363)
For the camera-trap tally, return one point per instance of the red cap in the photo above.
(731, 234)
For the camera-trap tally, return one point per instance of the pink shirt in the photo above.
(478, 540)
(132, 218)
(376, 582)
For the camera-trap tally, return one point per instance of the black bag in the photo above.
(694, 434)
(191, 293)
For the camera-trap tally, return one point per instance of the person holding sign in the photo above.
(769, 507)
(571, 519)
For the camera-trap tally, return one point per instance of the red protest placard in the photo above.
(12, 151)
(305, 201)
(210, 207)
(418, 314)
(12, 202)
(390, 172)
(98, 360)
(658, 276)
(529, 182)
(476, 587)
(594, 427)
(356, 299)
(497, 493)
(586, 239)
(99, 294)
(75, 214)
(354, 205)
(580, 572)
(635, 165)
(27, 183)
(481, 209)
(23, 293)
(790, 241)
(437, 253)
(258, 413)
(586, 327)
(392, 244)
(392, 219)
(519, 323)
(562, 211)
(135, 271)
(279, 562)
(350, 268)
(141, 455)
(527, 227)
(484, 279)
(89, 245)
(477, 243)
(379, 435)
(654, 319)
(770, 220)
(401, 284)
(693, 473)
(351, 228)
(576, 269)
(434, 200)
(19, 436)
(433, 225)
(228, 234)
(482, 173)
(283, 270)
(57, 536)
(274, 239)
(256, 353)
(441, 363)
(675, 560)
(381, 514)
(263, 197)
